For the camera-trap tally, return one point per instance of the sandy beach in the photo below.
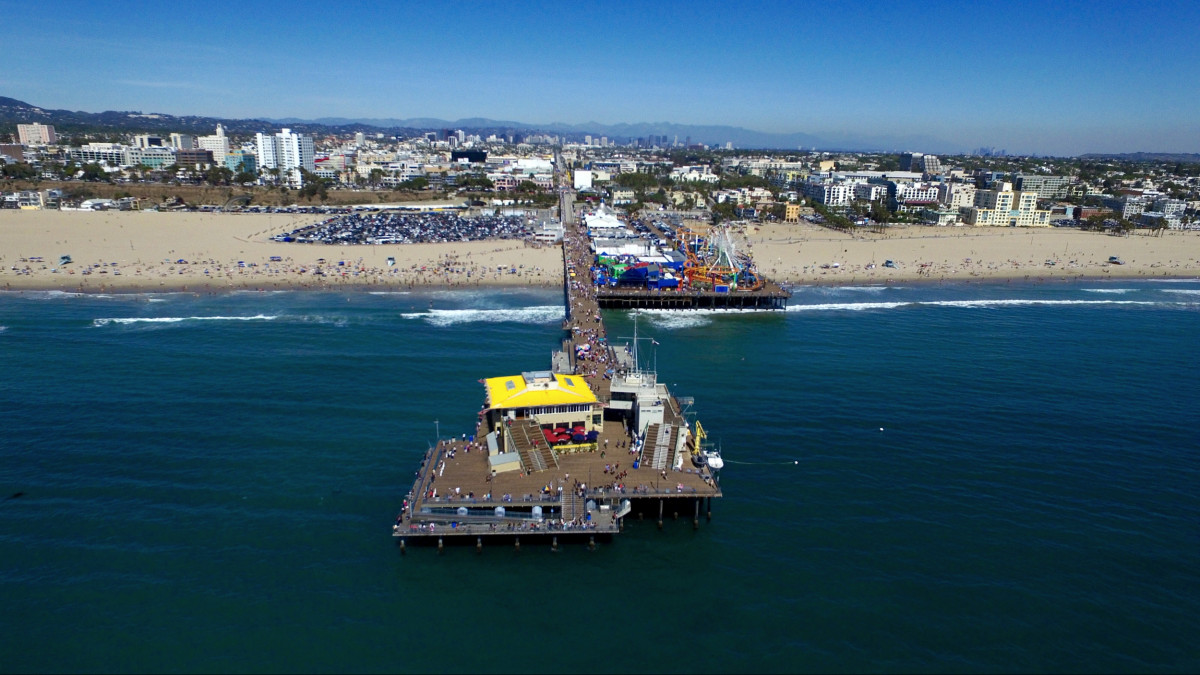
(140, 251)
(806, 253)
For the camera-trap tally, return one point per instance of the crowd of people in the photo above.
(393, 227)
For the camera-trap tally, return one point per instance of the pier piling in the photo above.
(479, 544)
(517, 544)
(660, 513)
(696, 518)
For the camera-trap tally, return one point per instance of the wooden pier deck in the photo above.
(582, 490)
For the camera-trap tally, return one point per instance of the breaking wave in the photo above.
(859, 306)
(452, 317)
(179, 319)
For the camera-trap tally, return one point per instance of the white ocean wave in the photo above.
(850, 306)
(179, 319)
(861, 289)
(1182, 291)
(860, 306)
(48, 295)
(452, 317)
(672, 319)
(681, 319)
(1118, 291)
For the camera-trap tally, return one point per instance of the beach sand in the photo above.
(806, 253)
(138, 251)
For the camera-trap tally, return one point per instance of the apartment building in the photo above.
(1046, 187)
(1004, 207)
(36, 134)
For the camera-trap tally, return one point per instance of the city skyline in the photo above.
(1053, 78)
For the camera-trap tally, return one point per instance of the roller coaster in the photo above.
(715, 264)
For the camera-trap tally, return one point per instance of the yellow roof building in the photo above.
(537, 389)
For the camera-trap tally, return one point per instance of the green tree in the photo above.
(640, 182)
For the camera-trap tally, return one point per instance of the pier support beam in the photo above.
(517, 544)
(441, 546)
(479, 544)
(696, 518)
(708, 503)
(554, 544)
(402, 547)
(592, 543)
(660, 512)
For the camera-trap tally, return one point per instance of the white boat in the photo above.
(713, 459)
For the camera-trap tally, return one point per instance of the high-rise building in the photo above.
(36, 134)
(287, 152)
(183, 141)
(917, 162)
(217, 144)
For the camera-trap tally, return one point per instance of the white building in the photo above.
(218, 144)
(287, 152)
(583, 179)
(36, 134)
(183, 141)
(870, 192)
(956, 195)
(1005, 208)
(830, 193)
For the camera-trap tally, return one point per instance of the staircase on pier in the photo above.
(535, 453)
(656, 451)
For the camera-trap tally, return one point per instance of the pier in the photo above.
(567, 453)
(772, 296)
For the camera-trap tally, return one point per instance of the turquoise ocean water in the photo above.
(941, 478)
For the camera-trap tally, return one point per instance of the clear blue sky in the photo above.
(1031, 77)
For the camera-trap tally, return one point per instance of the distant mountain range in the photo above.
(1182, 157)
(715, 135)
(13, 112)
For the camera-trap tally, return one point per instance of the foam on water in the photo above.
(452, 317)
(1009, 302)
(671, 319)
(178, 319)
(1182, 291)
(1117, 291)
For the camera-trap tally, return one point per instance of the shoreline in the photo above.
(365, 287)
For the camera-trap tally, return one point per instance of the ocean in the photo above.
(935, 478)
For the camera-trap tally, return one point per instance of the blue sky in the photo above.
(1032, 77)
